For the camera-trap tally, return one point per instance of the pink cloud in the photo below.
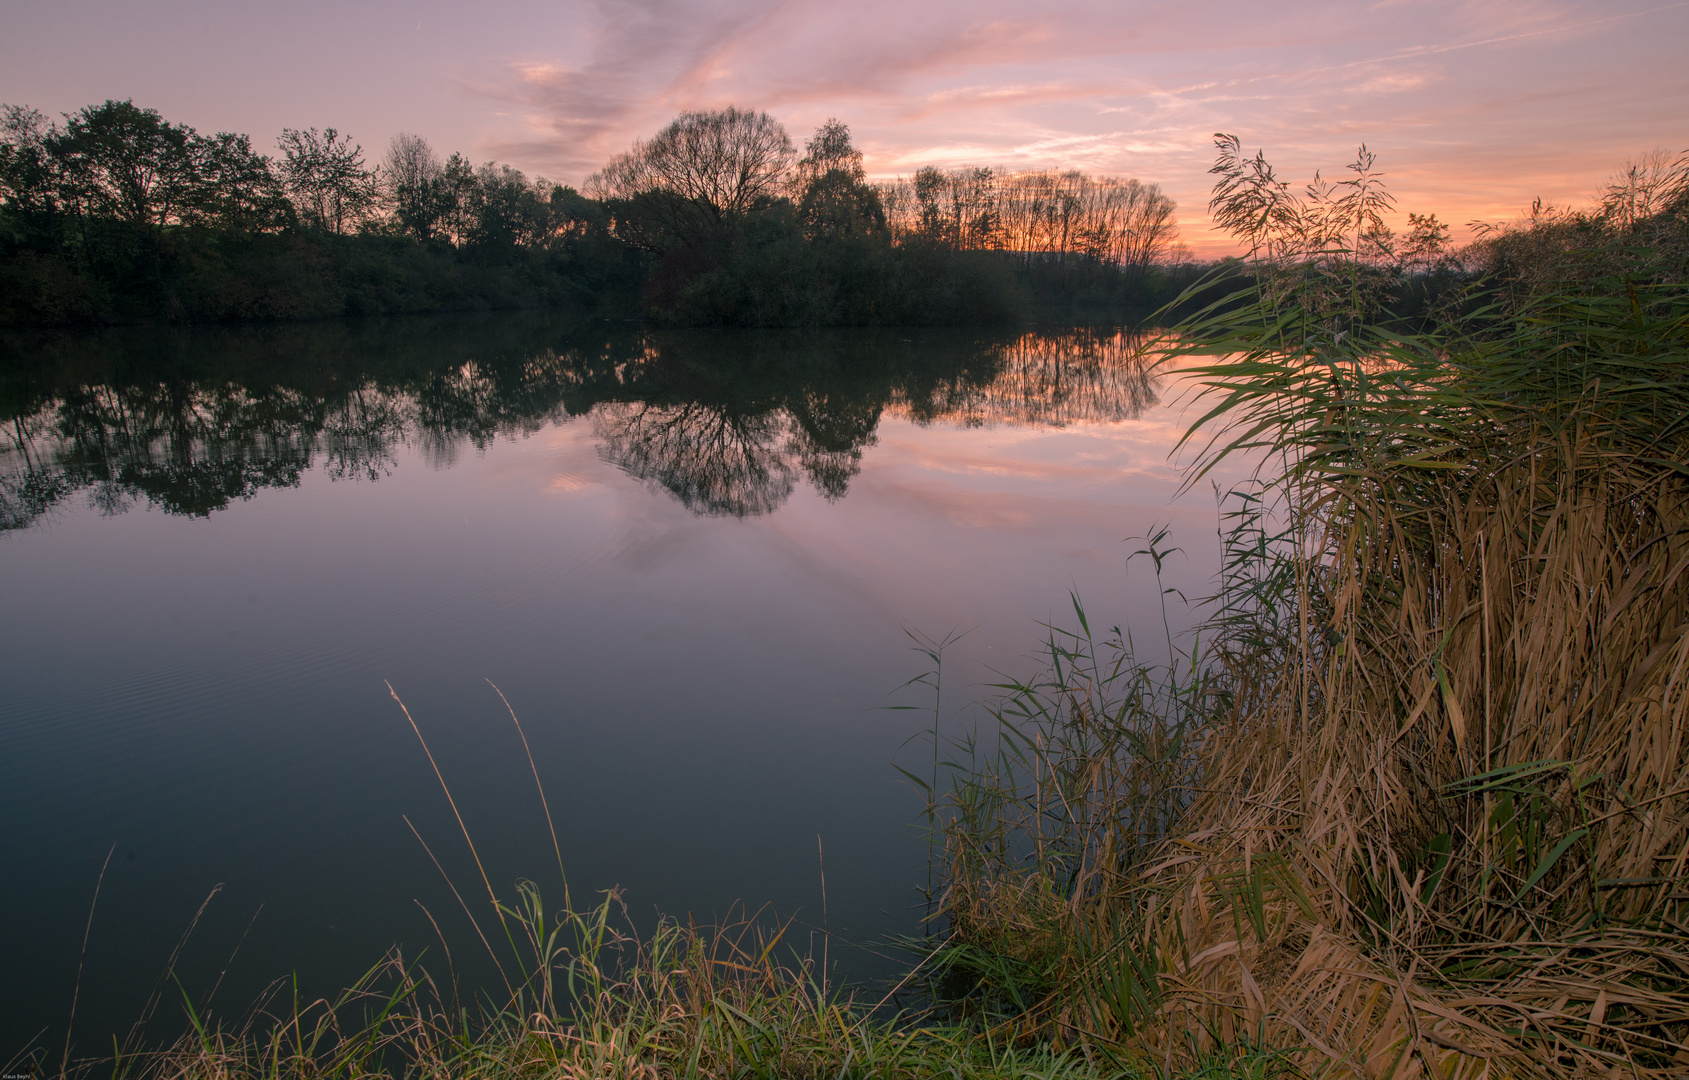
(1475, 106)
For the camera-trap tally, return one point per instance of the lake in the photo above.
(691, 561)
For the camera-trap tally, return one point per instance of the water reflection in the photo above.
(729, 424)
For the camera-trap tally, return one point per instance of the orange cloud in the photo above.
(1475, 108)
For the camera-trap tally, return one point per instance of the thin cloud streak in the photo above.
(1474, 106)
(1478, 106)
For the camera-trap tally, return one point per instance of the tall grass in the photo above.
(584, 995)
(1421, 806)
(1414, 802)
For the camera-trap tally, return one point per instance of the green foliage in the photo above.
(119, 216)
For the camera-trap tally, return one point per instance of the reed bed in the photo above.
(1420, 804)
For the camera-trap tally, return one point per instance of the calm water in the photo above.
(688, 560)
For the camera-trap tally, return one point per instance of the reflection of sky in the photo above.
(1476, 106)
(701, 693)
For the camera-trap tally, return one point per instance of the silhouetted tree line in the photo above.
(191, 420)
(116, 214)
(744, 231)
(1037, 216)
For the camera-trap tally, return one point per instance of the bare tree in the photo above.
(701, 171)
(326, 178)
(1038, 215)
(415, 186)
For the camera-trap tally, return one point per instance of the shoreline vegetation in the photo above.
(116, 215)
(1411, 804)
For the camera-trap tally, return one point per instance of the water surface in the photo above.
(689, 560)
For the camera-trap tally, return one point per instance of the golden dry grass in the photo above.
(1421, 805)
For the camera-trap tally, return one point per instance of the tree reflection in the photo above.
(196, 488)
(728, 424)
(714, 462)
(1056, 379)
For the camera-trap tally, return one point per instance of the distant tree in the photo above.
(324, 174)
(127, 163)
(702, 171)
(416, 186)
(457, 197)
(236, 188)
(1426, 248)
(1037, 215)
(27, 175)
(959, 208)
(572, 213)
(831, 188)
(509, 211)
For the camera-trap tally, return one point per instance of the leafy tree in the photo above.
(120, 162)
(126, 163)
(508, 211)
(831, 188)
(1427, 248)
(324, 174)
(234, 187)
(27, 197)
(457, 197)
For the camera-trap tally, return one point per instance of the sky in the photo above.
(1473, 108)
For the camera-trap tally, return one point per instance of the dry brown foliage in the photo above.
(1423, 806)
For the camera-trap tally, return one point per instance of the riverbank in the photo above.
(592, 1000)
(197, 276)
(1411, 801)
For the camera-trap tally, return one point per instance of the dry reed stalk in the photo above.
(1483, 824)
(1438, 819)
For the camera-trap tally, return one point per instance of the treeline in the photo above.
(1037, 216)
(118, 215)
(743, 230)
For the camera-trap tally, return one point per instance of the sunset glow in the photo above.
(1474, 108)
